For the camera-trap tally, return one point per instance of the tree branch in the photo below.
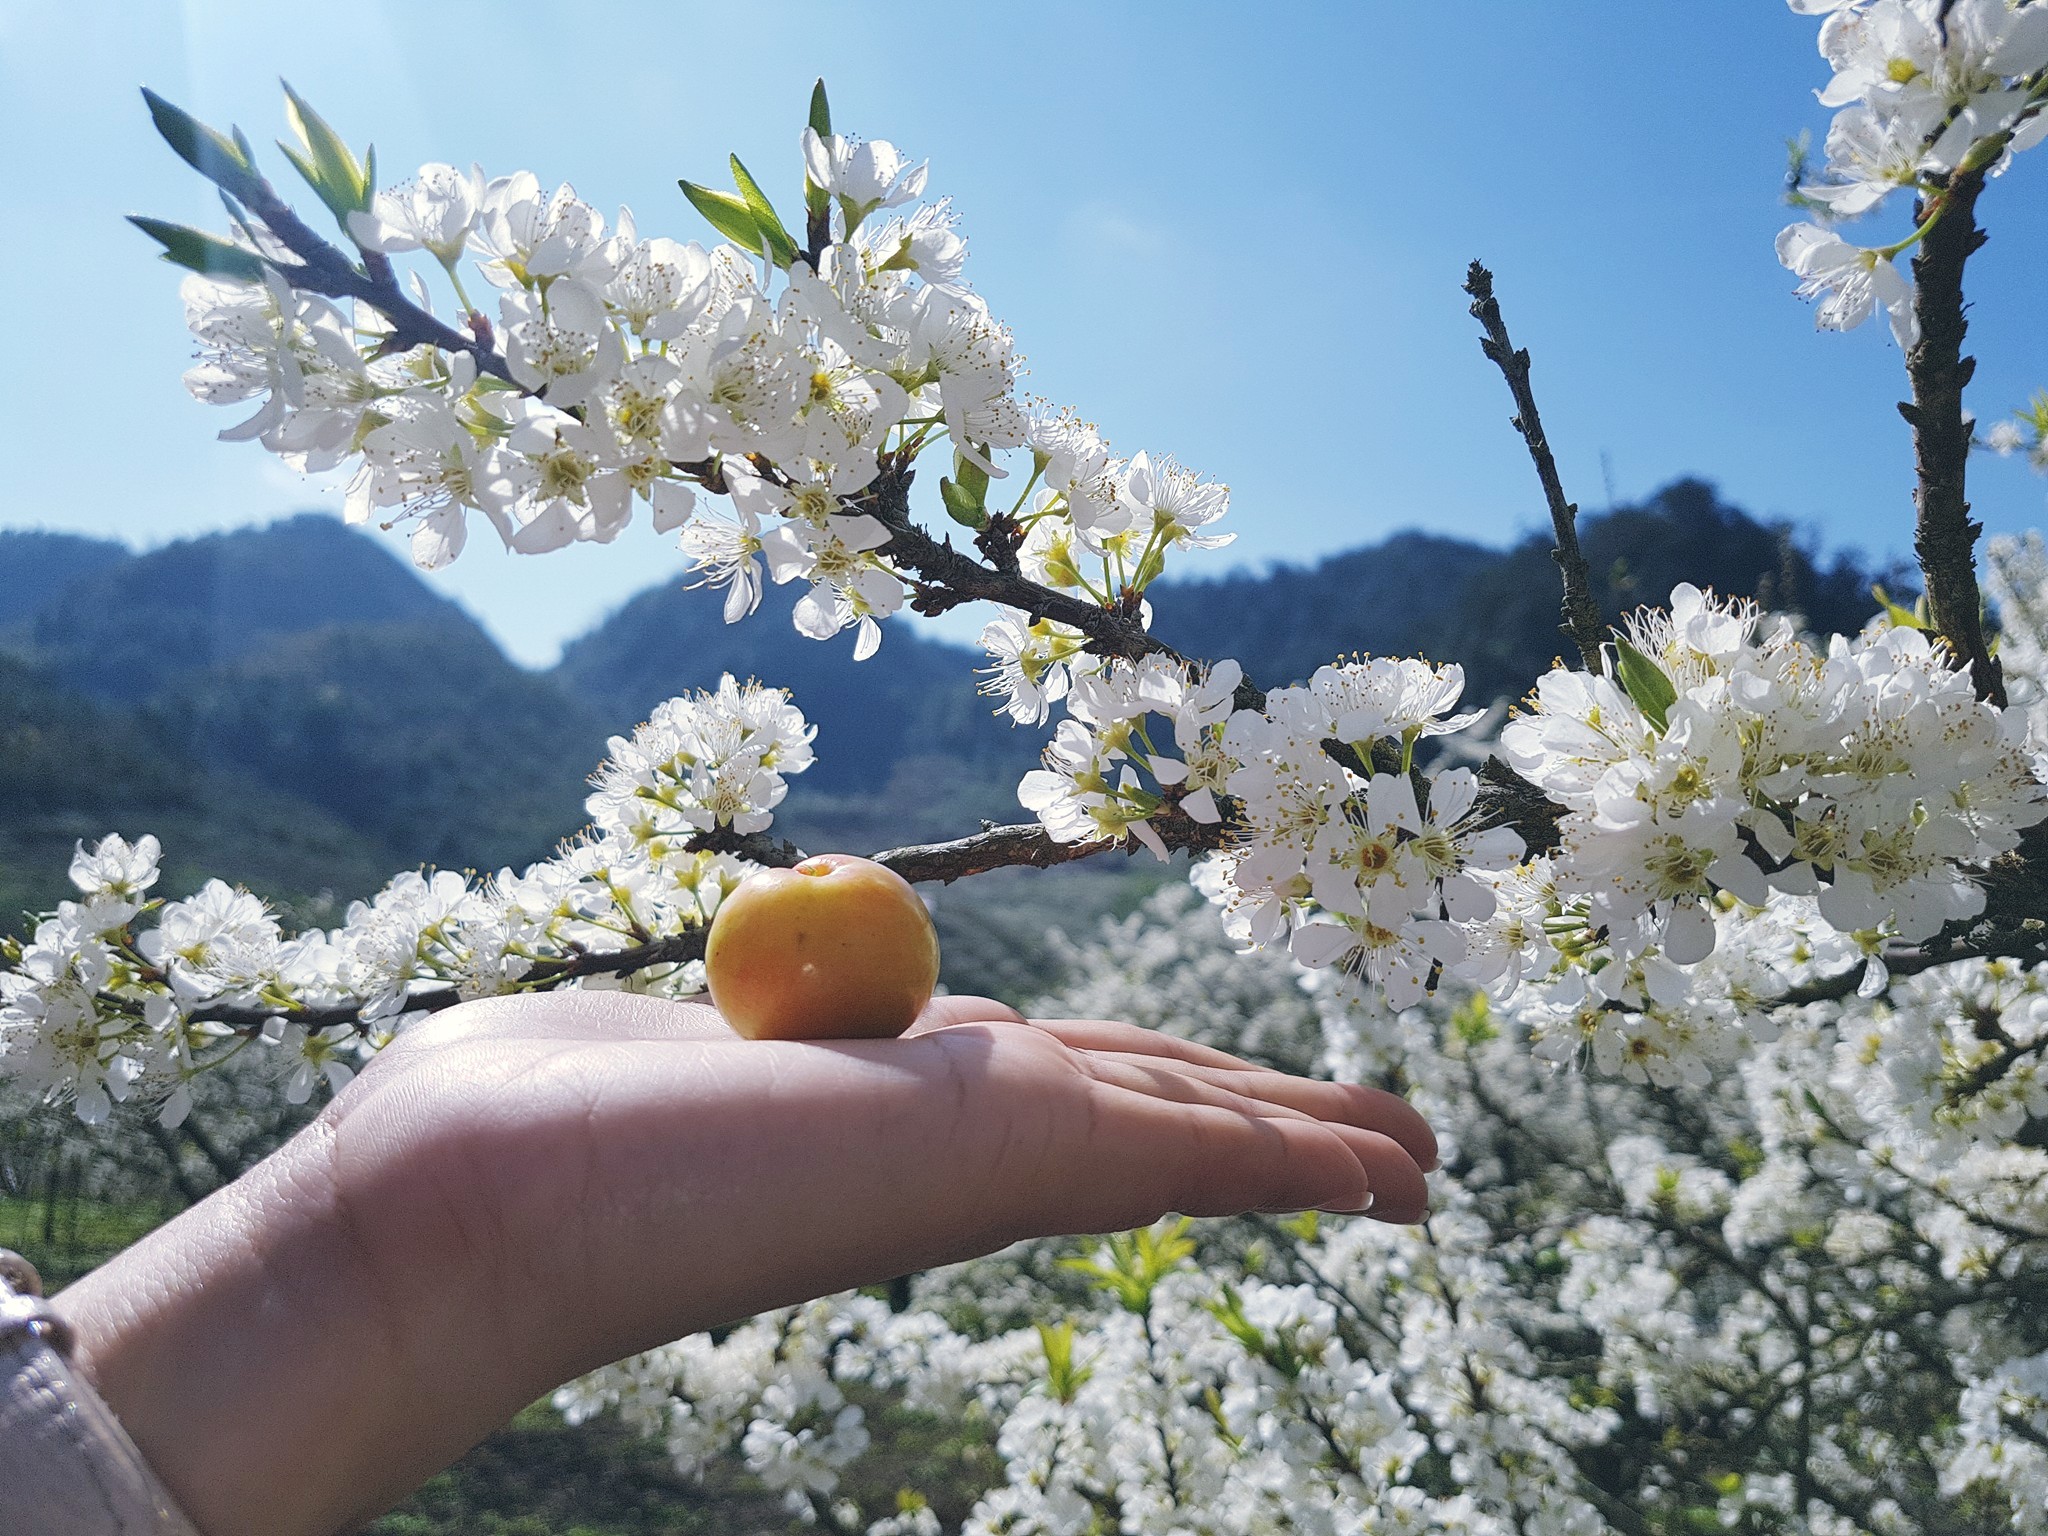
(1945, 538)
(2016, 887)
(324, 269)
(990, 849)
(1110, 631)
(1029, 846)
(956, 577)
(1582, 619)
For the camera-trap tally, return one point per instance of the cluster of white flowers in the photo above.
(96, 1008)
(1098, 525)
(715, 759)
(1723, 760)
(1090, 788)
(649, 370)
(1727, 755)
(1346, 864)
(1343, 860)
(1927, 88)
(641, 369)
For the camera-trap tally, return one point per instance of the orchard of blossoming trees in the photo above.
(1774, 1257)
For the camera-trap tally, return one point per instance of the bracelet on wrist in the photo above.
(67, 1468)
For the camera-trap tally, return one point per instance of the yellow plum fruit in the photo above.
(836, 948)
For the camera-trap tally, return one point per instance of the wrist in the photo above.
(245, 1346)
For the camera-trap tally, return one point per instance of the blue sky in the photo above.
(1231, 233)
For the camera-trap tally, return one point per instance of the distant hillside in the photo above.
(294, 707)
(1497, 612)
(1508, 613)
(123, 629)
(1395, 598)
(312, 660)
(915, 699)
(34, 565)
(416, 732)
(70, 770)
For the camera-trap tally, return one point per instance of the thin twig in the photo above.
(1028, 845)
(1582, 619)
(962, 578)
(324, 269)
(1945, 538)
(993, 848)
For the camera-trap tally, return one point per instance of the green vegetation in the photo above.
(64, 1236)
(72, 769)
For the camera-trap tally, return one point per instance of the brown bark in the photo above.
(1945, 538)
(1582, 619)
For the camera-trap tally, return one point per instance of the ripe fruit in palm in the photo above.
(835, 948)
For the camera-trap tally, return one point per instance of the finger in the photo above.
(1110, 1035)
(944, 1012)
(1353, 1103)
(1180, 1085)
(1159, 1155)
(1399, 1187)
(1388, 1112)
(1399, 1190)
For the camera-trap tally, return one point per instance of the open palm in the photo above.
(521, 1190)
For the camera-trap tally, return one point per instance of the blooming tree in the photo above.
(1776, 1259)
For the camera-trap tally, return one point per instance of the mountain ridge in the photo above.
(304, 664)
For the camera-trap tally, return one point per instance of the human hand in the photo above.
(520, 1190)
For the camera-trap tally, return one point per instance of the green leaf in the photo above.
(324, 159)
(208, 151)
(1138, 1261)
(971, 475)
(1914, 617)
(962, 505)
(1472, 1022)
(305, 166)
(199, 251)
(1644, 681)
(1303, 1228)
(780, 246)
(1064, 1377)
(726, 214)
(1228, 1309)
(821, 111)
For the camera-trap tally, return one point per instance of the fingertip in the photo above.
(1393, 1115)
(1348, 1210)
(1400, 1188)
